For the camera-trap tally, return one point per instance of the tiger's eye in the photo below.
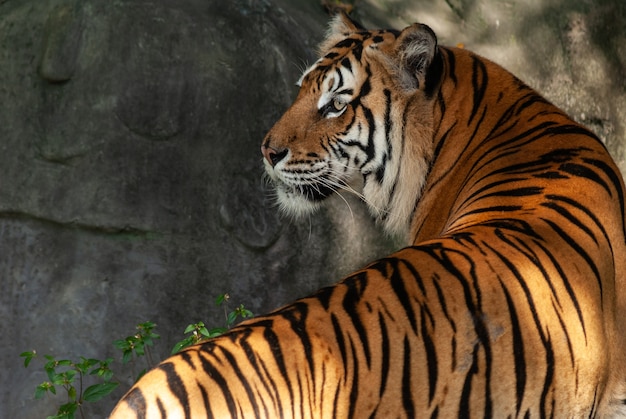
(338, 104)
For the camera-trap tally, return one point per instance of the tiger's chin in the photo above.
(298, 202)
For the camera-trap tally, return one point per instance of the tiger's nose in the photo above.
(272, 155)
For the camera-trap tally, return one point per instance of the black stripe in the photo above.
(616, 179)
(441, 142)
(434, 75)
(274, 343)
(517, 349)
(296, 315)
(578, 249)
(524, 249)
(244, 382)
(346, 43)
(162, 409)
(366, 87)
(385, 356)
(275, 393)
(407, 400)
(525, 191)
(213, 372)
(585, 172)
(566, 284)
(529, 136)
(205, 397)
(466, 393)
(354, 393)
(570, 347)
(479, 85)
(300, 387)
(336, 400)
(338, 330)
(506, 193)
(340, 82)
(442, 303)
(345, 63)
(491, 186)
(469, 282)
(451, 59)
(431, 358)
(547, 345)
(396, 280)
(136, 402)
(387, 119)
(584, 209)
(570, 217)
(496, 208)
(176, 386)
(355, 289)
(550, 366)
(370, 149)
(324, 295)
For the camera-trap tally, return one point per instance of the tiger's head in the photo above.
(361, 123)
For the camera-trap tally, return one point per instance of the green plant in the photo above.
(198, 332)
(138, 344)
(71, 376)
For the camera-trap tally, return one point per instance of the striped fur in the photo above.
(510, 300)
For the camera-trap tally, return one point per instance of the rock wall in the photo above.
(130, 175)
(130, 171)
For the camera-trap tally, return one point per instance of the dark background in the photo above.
(130, 174)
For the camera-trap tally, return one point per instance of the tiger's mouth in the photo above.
(298, 199)
(313, 192)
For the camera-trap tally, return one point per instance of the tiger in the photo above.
(509, 299)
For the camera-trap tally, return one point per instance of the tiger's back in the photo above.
(509, 300)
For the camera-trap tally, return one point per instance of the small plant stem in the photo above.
(149, 356)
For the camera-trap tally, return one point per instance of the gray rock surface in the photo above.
(130, 172)
(130, 175)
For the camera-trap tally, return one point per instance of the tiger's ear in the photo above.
(415, 48)
(341, 26)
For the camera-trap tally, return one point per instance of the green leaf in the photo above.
(58, 379)
(85, 364)
(191, 328)
(220, 299)
(66, 377)
(140, 350)
(64, 363)
(121, 344)
(106, 374)
(71, 393)
(128, 354)
(97, 391)
(232, 316)
(216, 331)
(43, 388)
(141, 374)
(146, 327)
(66, 411)
(103, 370)
(28, 356)
(182, 344)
